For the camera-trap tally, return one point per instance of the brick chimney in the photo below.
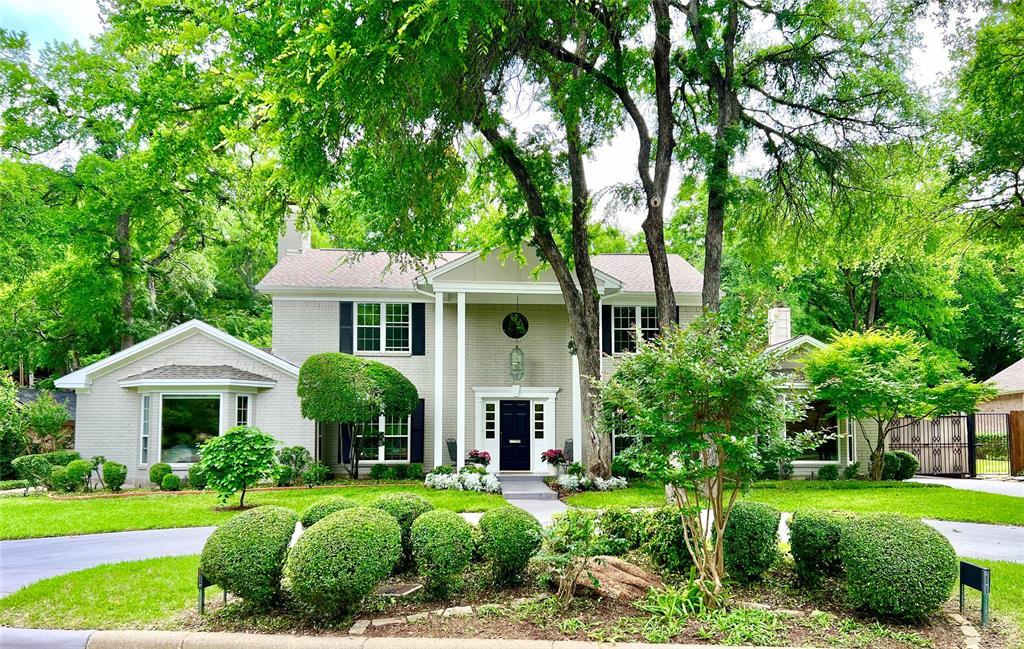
(291, 241)
(780, 325)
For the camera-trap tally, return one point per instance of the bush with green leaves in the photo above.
(851, 471)
(294, 461)
(324, 508)
(624, 524)
(6, 485)
(378, 471)
(897, 566)
(899, 465)
(828, 472)
(13, 440)
(62, 457)
(237, 460)
(170, 482)
(414, 471)
(751, 540)
(77, 475)
(442, 547)
(114, 475)
(666, 540)
(569, 544)
(246, 555)
(57, 480)
(341, 559)
(45, 421)
(509, 537)
(318, 473)
(814, 537)
(157, 473)
(33, 468)
(196, 478)
(406, 508)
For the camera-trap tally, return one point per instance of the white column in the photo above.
(460, 388)
(438, 378)
(600, 337)
(577, 412)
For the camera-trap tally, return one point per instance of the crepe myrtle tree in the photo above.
(891, 378)
(694, 403)
(345, 389)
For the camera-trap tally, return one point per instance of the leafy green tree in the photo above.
(13, 442)
(45, 421)
(237, 460)
(345, 389)
(889, 378)
(694, 403)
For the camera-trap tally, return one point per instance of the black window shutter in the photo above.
(606, 328)
(345, 445)
(419, 336)
(345, 328)
(417, 434)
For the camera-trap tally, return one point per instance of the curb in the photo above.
(200, 640)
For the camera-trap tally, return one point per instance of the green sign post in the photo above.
(979, 579)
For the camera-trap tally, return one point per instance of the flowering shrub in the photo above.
(467, 481)
(554, 457)
(569, 482)
(483, 458)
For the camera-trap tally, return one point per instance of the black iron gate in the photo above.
(956, 445)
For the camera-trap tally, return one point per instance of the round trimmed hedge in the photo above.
(77, 474)
(114, 475)
(344, 388)
(324, 508)
(341, 559)
(509, 536)
(750, 543)
(665, 540)
(896, 566)
(170, 482)
(246, 555)
(406, 508)
(157, 473)
(814, 537)
(442, 545)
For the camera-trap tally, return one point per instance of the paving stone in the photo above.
(359, 628)
(969, 631)
(959, 619)
(457, 611)
(416, 617)
(791, 611)
(387, 621)
(972, 643)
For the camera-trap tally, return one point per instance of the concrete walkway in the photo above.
(1007, 487)
(530, 493)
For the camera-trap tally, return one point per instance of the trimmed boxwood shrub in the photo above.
(896, 566)
(77, 474)
(341, 559)
(828, 472)
(665, 540)
(33, 468)
(509, 536)
(899, 465)
(751, 541)
(157, 473)
(170, 482)
(324, 508)
(378, 471)
(246, 555)
(114, 475)
(196, 477)
(414, 471)
(406, 508)
(62, 457)
(814, 537)
(626, 525)
(442, 545)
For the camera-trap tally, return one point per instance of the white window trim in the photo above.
(383, 329)
(248, 409)
(493, 423)
(146, 428)
(636, 320)
(380, 449)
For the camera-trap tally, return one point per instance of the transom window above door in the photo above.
(624, 321)
(383, 327)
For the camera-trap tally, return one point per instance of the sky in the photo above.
(62, 20)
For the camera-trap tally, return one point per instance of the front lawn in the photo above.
(909, 498)
(39, 516)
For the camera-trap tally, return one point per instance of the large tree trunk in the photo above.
(124, 269)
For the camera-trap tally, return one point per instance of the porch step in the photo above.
(525, 487)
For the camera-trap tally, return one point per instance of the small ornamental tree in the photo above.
(892, 379)
(237, 460)
(44, 421)
(694, 403)
(345, 389)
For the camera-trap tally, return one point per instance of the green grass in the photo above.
(912, 499)
(40, 516)
(986, 465)
(148, 594)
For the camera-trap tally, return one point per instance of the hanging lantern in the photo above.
(516, 363)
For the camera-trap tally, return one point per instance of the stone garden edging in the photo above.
(200, 640)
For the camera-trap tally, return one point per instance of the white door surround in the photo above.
(545, 396)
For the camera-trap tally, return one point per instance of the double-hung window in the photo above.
(624, 321)
(384, 440)
(382, 327)
(144, 442)
(242, 410)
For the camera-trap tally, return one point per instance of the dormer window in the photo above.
(383, 327)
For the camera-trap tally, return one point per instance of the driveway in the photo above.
(1007, 487)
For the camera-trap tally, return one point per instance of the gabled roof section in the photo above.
(323, 268)
(1010, 380)
(197, 373)
(787, 346)
(636, 275)
(83, 378)
(503, 265)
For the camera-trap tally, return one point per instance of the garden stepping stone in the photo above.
(387, 621)
(457, 611)
(416, 617)
(359, 628)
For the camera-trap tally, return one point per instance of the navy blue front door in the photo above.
(515, 436)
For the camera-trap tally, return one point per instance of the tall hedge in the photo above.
(343, 388)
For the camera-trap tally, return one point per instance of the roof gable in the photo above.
(791, 346)
(1010, 380)
(83, 377)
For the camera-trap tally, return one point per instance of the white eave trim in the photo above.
(794, 343)
(83, 377)
(514, 391)
(196, 383)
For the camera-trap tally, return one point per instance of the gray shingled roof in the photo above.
(1009, 380)
(347, 269)
(211, 372)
